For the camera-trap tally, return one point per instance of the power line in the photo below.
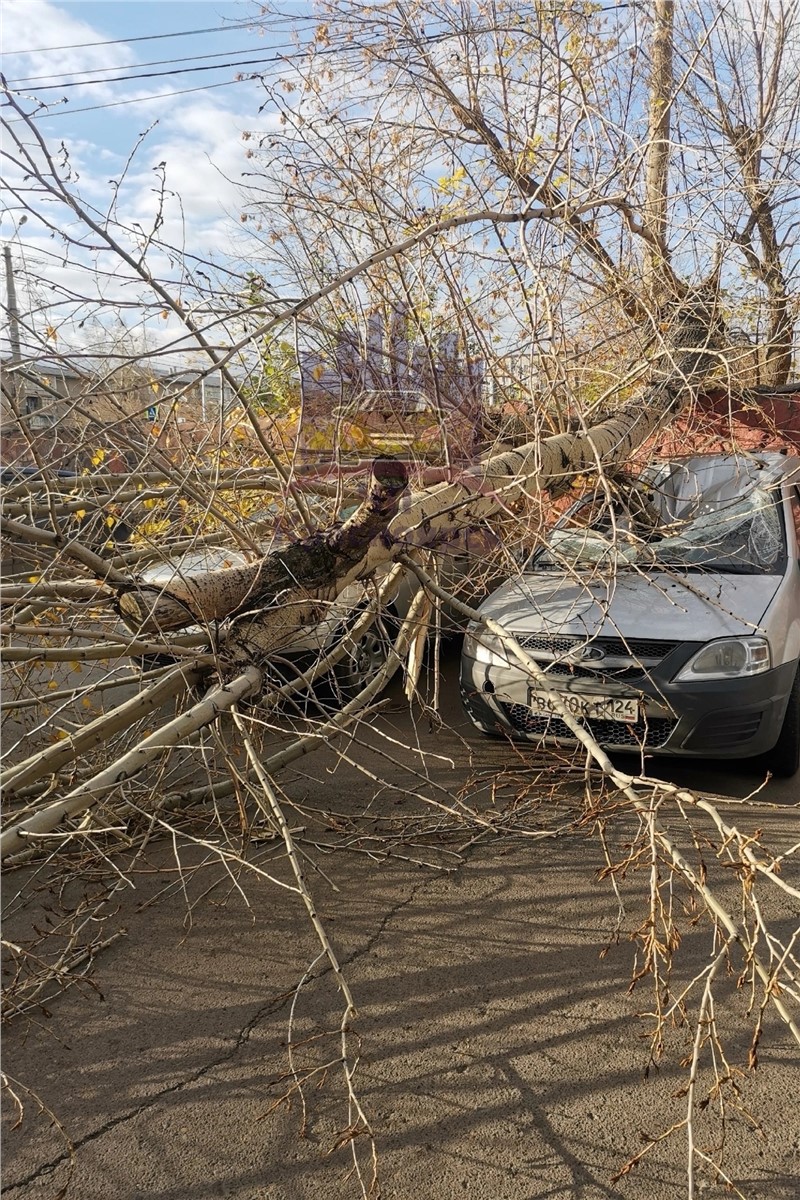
(153, 37)
(159, 62)
(279, 56)
(276, 59)
(145, 37)
(246, 62)
(181, 71)
(68, 112)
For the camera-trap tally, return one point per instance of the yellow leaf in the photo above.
(449, 183)
(34, 578)
(52, 685)
(80, 514)
(111, 522)
(51, 333)
(154, 386)
(165, 314)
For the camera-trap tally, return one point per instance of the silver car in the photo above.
(668, 622)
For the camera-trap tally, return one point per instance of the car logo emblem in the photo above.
(587, 654)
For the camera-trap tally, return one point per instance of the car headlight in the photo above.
(729, 658)
(485, 648)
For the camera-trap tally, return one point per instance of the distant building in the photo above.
(62, 414)
(399, 392)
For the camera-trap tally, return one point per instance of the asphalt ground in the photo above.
(498, 1048)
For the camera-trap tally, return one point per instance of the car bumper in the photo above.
(734, 718)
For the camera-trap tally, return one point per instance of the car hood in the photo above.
(697, 607)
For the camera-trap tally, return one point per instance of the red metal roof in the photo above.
(719, 423)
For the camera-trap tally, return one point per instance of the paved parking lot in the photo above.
(500, 1051)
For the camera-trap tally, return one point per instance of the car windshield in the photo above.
(741, 535)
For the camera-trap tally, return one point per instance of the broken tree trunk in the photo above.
(305, 570)
(268, 603)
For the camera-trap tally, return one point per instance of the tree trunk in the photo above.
(766, 265)
(658, 149)
(316, 563)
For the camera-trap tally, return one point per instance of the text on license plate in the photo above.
(606, 708)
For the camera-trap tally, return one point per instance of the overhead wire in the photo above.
(144, 37)
(261, 61)
(277, 52)
(159, 62)
(66, 112)
(250, 77)
(249, 62)
(228, 28)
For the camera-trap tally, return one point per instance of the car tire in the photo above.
(783, 759)
(369, 654)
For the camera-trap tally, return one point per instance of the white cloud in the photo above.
(204, 156)
(40, 24)
(198, 139)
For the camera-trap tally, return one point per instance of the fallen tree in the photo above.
(257, 611)
(265, 604)
(112, 780)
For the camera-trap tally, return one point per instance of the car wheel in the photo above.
(364, 659)
(784, 757)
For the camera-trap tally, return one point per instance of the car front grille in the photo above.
(640, 648)
(622, 674)
(648, 734)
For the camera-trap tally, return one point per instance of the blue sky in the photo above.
(47, 48)
(197, 133)
(86, 21)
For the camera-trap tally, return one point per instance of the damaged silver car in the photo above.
(667, 618)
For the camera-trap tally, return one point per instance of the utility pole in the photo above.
(13, 310)
(13, 321)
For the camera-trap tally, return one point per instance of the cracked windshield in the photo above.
(736, 536)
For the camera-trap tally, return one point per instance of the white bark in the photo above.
(20, 836)
(50, 760)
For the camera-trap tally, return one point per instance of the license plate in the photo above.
(605, 708)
